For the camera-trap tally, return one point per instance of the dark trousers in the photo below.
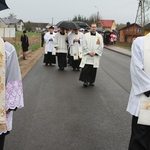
(140, 136)
(2, 140)
(62, 60)
(88, 74)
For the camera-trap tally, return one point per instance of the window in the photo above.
(128, 29)
(138, 30)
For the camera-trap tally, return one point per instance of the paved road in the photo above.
(60, 114)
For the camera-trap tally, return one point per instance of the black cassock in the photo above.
(2, 140)
(88, 74)
(75, 63)
(62, 60)
(140, 138)
(49, 58)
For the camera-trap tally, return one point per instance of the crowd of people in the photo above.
(110, 38)
(78, 49)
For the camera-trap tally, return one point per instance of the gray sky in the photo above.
(121, 11)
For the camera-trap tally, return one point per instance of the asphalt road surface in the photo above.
(60, 114)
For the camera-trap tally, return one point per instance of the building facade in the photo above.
(18, 24)
(130, 32)
(109, 25)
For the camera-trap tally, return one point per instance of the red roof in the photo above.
(107, 23)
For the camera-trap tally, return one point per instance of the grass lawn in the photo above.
(125, 46)
(35, 46)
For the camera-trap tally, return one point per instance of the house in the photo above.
(130, 32)
(36, 27)
(146, 29)
(18, 24)
(109, 25)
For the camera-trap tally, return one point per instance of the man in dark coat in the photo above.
(25, 44)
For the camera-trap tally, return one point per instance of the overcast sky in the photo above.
(121, 11)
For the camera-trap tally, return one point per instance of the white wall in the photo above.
(7, 32)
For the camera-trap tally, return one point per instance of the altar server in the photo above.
(92, 51)
(75, 43)
(60, 43)
(50, 52)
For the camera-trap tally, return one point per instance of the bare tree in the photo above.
(95, 18)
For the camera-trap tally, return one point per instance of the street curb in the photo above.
(117, 51)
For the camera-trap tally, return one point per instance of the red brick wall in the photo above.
(129, 34)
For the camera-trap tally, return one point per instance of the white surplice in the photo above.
(49, 45)
(60, 43)
(140, 80)
(90, 45)
(76, 47)
(14, 89)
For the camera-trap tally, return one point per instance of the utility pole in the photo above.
(52, 21)
(97, 16)
(140, 16)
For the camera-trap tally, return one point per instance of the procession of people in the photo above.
(82, 50)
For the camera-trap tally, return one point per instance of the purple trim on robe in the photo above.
(14, 95)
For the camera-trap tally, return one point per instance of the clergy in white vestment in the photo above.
(50, 52)
(140, 77)
(75, 40)
(11, 90)
(60, 43)
(92, 52)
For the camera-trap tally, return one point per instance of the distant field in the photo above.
(34, 41)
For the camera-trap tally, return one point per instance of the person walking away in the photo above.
(140, 77)
(75, 42)
(25, 44)
(11, 90)
(50, 53)
(42, 38)
(92, 51)
(60, 43)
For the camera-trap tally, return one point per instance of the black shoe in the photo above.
(91, 84)
(61, 69)
(78, 69)
(46, 64)
(85, 84)
(74, 69)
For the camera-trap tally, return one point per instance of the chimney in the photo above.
(128, 24)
